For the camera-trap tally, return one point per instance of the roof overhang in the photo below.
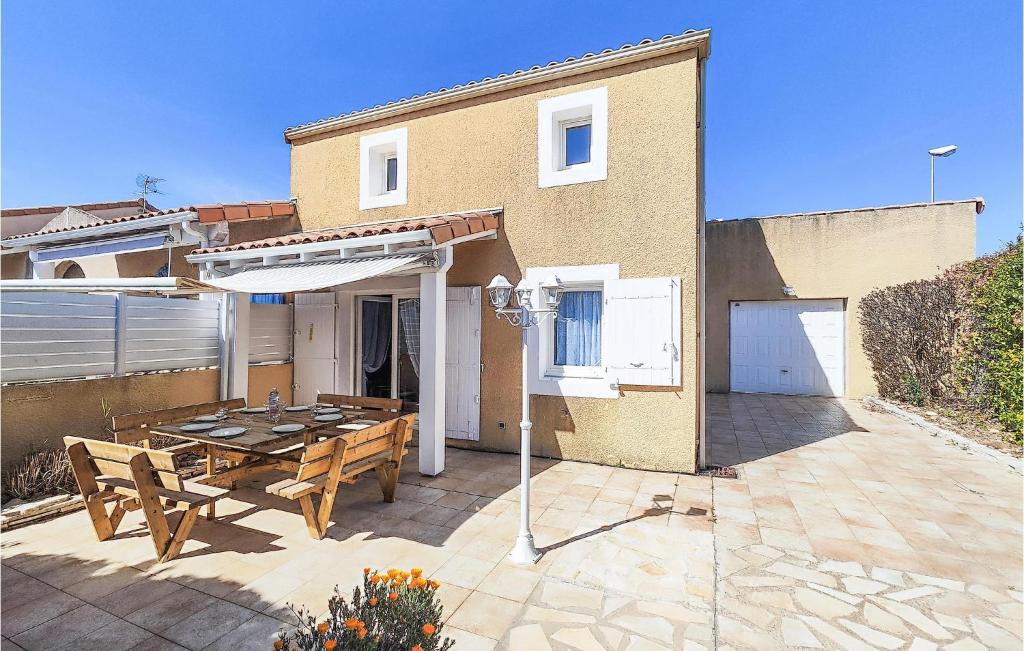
(321, 248)
(170, 286)
(102, 230)
(699, 40)
(311, 276)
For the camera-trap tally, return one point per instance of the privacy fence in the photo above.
(51, 336)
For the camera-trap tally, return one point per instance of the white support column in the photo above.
(433, 339)
(43, 270)
(238, 379)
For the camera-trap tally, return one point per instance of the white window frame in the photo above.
(374, 151)
(564, 141)
(357, 343)
(566, 370)
(554, 114)
(577, 381)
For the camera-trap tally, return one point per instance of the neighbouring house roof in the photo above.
(690, 39)
(979, 207)
(205, 214)
(442, 229)
(87, 207)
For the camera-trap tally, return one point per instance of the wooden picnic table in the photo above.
(258, 450)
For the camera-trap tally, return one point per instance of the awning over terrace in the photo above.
(172, 286)
(308, 276)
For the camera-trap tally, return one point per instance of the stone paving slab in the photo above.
(844, 529)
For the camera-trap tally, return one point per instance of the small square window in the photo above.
(575, 144)
(391, 173)
(577, 331)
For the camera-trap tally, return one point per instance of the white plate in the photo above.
(228, 432)
(208, 418)
(297, 408)
(329, 410)
(197, 427)
(254, 410)
(327, 418)
(288, 428)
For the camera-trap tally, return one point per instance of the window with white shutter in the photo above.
(642, 331)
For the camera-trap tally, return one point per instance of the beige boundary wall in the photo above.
(838, 254)
(38, 415)
(482, 153)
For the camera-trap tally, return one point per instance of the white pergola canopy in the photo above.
(309, 276)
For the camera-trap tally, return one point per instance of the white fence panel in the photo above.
(270, 333)
(170, 333)
(49, 336)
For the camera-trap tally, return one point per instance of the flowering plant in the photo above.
(393, 611)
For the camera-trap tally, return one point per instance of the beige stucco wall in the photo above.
(41, 414)
(483, 153)
(832, 255)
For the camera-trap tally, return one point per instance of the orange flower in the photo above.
(321, 628)
(417, 572)
(416, 648)
(429, 629)
(393, 596)
(278, 645)
(361, 633)
(373, 601)
(392, 573)
(352, 623)
(435, 584)
(330, 644)
(376, 578)
(366, 571)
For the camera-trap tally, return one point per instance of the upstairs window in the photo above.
(575, 143)
(572, 138)
(382, 169)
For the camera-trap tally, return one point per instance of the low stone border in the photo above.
(28, 512)
(1015, 464)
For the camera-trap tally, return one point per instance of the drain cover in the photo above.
(722, 472)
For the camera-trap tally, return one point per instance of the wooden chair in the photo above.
(135, 428)
(343, 459)
(379, 409)
(137, 478)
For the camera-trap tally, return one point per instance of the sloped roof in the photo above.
(87, 207)
(694, 38)
(442, 228)
(207, 214)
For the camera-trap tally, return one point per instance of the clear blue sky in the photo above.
(811, 105)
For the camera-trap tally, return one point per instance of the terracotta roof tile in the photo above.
(442, 228)
(207, 214)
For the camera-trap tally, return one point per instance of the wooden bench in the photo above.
(342, 459)
(137, 478)
(379, 409)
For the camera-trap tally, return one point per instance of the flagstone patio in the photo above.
(845, 529)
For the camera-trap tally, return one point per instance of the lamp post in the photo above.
(526, 314)
(939, 152)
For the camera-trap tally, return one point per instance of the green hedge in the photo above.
(953, 340)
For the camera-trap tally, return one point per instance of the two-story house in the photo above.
(589, 169)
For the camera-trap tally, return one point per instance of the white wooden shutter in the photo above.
(462, 364)
(642, 331)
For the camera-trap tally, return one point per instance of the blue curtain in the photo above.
(276, 299)
(578, 329)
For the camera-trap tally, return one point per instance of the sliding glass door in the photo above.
(388, 359)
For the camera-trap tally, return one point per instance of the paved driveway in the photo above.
(847, 526)
(845, 529)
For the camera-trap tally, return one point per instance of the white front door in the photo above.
(794, 347)
(314, 365)
(462, 365)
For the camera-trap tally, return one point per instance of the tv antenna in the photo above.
(147, 185)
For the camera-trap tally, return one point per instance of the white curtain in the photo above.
(409, 329)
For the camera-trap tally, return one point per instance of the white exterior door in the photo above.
(315, 361)
(795, 347)
(462, 365)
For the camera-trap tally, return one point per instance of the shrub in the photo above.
(39, 473)
(395, 611)
(953, 340)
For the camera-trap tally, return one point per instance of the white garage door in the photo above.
(792, 347)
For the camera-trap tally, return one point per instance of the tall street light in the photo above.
(524, 316)
(939, 152)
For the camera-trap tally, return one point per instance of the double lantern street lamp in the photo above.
(524, 316)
